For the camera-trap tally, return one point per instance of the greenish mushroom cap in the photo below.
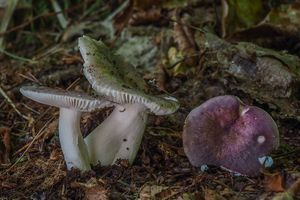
(119, 81)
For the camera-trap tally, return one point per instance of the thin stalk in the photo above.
(71, 140)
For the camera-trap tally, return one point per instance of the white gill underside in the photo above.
(66, 99)
(119, 136)
(127, 97)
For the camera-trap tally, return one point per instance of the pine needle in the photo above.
(9, 10)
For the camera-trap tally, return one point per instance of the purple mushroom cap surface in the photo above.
(225, 132)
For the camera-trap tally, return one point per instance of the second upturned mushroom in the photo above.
(120, 135)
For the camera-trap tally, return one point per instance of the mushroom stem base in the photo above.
(119, 136)
(71, 140)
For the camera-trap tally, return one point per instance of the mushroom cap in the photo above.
(117, 80)
(225, 132)
(62, 98)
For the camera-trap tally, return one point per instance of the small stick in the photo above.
(29, 77)
(36, 137)
(31, 109)
(26, 77)
(74, 83)
(30, 144)
(12, 104)
(60, 16)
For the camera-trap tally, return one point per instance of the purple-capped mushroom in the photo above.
(225, 132)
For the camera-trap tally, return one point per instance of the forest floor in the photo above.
(32, 164)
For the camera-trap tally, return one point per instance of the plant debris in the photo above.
(193, 50)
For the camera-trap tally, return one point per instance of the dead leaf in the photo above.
(94, 190)
(212, 195)
(51, 129)
(274, 182)
(277, 183)
(184, 57)
(143, 17)
(55, 155)
(149, 192)
(96, 193)
(184, 37)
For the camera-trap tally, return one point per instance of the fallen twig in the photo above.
(12, 104)
(38, 135)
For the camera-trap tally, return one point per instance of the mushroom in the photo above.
(120, 135)
(225, 132)
(71, 105)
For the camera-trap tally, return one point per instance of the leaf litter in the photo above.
(33, 165)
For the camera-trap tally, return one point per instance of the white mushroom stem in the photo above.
(119, 136)
(71, 140)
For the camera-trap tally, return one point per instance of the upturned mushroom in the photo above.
(71, 105)
(120, 135)
(225, 132)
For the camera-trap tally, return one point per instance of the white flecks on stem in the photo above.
(119, 136)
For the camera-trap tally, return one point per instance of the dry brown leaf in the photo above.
(184, 37)
(55, 155)
(96, 193)
(212, 195)
(185, 57)
(51, 129)
(277, 182)
(153, 15)
(150, 192)
(166, 194)
(274, 182)
(94, 189)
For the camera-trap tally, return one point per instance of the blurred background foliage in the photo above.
(36, 24)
